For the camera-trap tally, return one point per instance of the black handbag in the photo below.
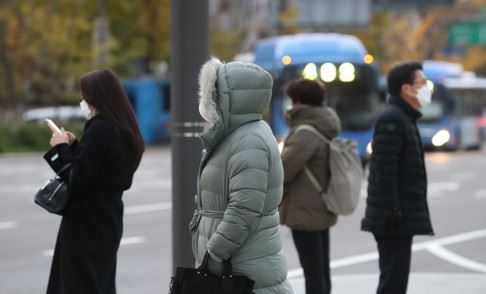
(200, 281)
(54, 196)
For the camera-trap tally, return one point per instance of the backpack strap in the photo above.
(313, 179)
(307, 171)
(311, 129)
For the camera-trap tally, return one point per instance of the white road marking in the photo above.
(339, 263)
(15, 169)
(132, 240)
(150, 185)
(48, 253)
(153, 172)
(454, 239)
(437, 189)
(148, 208)
(463, 176)
(8, 225)
(479, 162)
(364, 189)
(456, 259)
(354, 260)
(295, 273)
(23, 188)
(429, 283)
(416, 247)
(480, 194)
(433, 189)
(123, 242)
(136, 188)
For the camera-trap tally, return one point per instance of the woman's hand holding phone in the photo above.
(59, 139)
(71, 136)
(53, 127)
(59, 136)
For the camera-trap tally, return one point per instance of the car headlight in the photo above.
(441, 137)
(369, 148)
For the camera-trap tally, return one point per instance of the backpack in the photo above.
(346, 173)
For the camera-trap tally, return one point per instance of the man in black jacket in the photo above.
(396, 207)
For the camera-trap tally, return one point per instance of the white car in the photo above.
(57, 113)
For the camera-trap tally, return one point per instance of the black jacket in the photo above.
(397, 183)
(92, 224)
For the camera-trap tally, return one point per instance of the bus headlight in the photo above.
(369, 149)
(346, 72)
(280, 146)
(328, 72)
(310, 71)
(441, 137)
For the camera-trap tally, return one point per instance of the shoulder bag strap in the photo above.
(65, 167)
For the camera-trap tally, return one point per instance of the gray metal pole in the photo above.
(190, 49)
(273, 19)
(100, 36)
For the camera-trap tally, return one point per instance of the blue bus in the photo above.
(342, 63)
(449, 122)
(150, 99)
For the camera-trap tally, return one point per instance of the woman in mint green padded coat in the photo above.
(240, 182)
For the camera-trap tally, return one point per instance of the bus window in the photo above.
(432, 112)
(165, 91)
(469, 101)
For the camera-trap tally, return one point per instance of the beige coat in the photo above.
(302, 207)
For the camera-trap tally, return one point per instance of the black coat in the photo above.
(397, 183)
(92, 224)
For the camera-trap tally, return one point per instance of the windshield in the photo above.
(470, 102)
(432, 112)
(352, 91)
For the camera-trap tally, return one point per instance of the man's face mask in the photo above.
(424, 95)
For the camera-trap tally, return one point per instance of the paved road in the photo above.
(453, 261)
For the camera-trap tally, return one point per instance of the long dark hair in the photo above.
(102, 89)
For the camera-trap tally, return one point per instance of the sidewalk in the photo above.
(419, 283)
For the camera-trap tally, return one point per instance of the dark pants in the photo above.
(395, 255)
(313, 249)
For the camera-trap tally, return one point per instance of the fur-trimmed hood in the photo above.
(232, 94)
(207, 90)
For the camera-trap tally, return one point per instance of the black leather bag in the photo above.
(54, 196)
(200, 281)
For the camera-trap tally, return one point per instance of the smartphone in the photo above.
(53, 126)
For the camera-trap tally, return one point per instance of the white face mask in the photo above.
(208, 112)
(85, 109)
(424, 95)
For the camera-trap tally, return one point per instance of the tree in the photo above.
(46, 45)
(424, 35)
(141, 33)
(43, 49)
(6, 69)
